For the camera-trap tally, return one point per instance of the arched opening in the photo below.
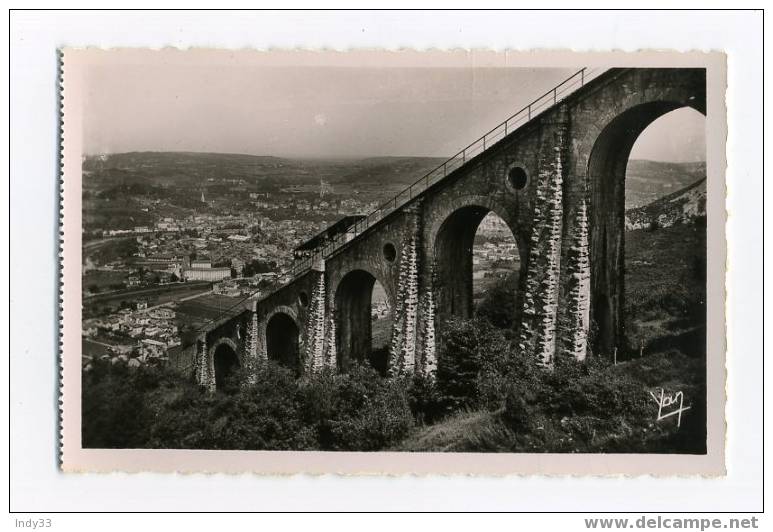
(496, 272)
(473, 247)
(226, 362)
(389, 251)
(282, 339)
(381, 328)
(354, 317)
(624, 190)
(517, 178)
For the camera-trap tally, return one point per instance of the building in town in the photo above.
(206, 274)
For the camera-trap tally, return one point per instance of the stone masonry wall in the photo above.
(314, 357)
(428, 360)
(402, 352)
(202, 366)
(253, 334)
(329, 359)
(573, 329)
(255, 353)
(538, 327)
(207, 369)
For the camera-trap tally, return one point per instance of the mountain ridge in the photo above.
(683, 206)
(646, 180)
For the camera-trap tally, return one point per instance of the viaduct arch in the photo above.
(353, 299)
(283, 338)
(557, 180)
(225, 360)
(606, 147)
(452, 237)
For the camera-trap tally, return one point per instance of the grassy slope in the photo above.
(665, 293)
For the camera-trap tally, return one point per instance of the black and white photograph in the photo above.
(409, 253)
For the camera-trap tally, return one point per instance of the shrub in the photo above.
(425, 400)
(581, 406)
(379, 360)
(498, 307)
(356, 411)
(478, 366)
(117, 405)
(516, 413)
(505, 372)
(263, 414)
(270, 409)
(463, 346)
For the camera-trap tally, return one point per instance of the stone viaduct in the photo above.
(556, 176)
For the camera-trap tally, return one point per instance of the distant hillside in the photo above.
(403, 170)
(682, 206)
(139, 159)
(647, 181)
(184, 168)
(176, 168)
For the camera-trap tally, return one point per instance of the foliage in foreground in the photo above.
(154, 408)
(485, 396)
(492, 398)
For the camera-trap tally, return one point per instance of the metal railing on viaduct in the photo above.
(524, 115)
(443, 170)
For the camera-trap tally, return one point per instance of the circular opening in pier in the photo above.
(303, 298)
(390, 253)
(517, 178)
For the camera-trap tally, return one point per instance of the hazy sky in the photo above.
(175, 103)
